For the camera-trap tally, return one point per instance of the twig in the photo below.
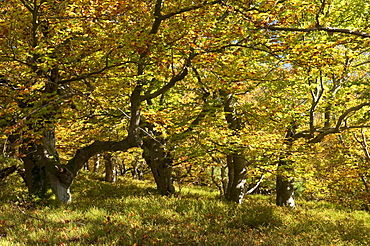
(256, 186)
(33, 217)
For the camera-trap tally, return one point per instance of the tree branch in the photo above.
(338, 128)
(205, 108)
(87, 75)
(27, 5)
(319, 28)
(84, 154)
(363, 144)
(316, 96)
(47, 104)
(326, 131)
(256, 186)
(189, 8)
(180, 76)
(347, 112)
(158, 17)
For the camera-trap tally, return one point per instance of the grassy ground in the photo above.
(132, 213)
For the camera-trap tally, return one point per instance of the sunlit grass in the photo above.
(131, 212)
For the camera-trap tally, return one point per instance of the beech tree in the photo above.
(47, 60)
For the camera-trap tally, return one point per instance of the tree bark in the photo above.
(284, 178)
(236, 162)
(237, 178)
(285, 184)
(160, 163)
(42, 169)
(137, 172)
(96, 163)
(110, 168)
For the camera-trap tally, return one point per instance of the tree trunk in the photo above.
(159, 162)
(110, 168)
(236, 162)
(137, 171)
(96, 163)
(223, 179)
(285, 184)
(285, 172)
(122, 169)
(42, 171)
(87, 166)
(237, 178)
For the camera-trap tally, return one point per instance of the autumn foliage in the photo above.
(220, 93)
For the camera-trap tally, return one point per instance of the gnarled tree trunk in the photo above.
(42, 169)
(160, 163)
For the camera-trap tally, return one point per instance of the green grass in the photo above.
(131, 212)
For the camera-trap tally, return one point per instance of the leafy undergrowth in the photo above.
(130, 212)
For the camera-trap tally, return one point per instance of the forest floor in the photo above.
(130, 212)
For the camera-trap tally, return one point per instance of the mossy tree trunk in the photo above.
(42, 169)
(160, 162)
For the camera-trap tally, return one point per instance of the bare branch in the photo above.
(363, 144)
(23, 212)
(256, 186)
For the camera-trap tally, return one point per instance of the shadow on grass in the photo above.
(95, 187)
